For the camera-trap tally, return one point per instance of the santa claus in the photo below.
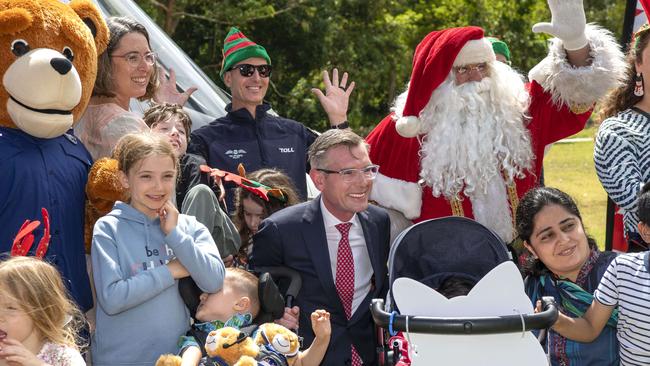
(467, 137)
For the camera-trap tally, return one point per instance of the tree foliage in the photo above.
(373, 40)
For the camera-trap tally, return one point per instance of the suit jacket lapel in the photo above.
(370, 234)
(316, 242)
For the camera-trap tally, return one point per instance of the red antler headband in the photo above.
(257, 188)
(25, 238)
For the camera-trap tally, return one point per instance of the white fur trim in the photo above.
(408, 126)
(492, 209)
(581, 86)
(400, 195)
(475, 51)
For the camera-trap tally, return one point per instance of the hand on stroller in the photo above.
(290, 318)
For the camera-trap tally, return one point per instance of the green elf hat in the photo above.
(237, 47)
(500, 47)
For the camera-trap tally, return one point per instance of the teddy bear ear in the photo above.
(93, 19)
(14, 20)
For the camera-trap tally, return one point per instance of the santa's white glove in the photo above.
(568, 23)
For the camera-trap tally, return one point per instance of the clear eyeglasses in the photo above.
(350, 174)
(135, 58)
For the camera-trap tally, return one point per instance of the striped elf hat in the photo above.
(237, 47)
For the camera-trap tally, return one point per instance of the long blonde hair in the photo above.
(38, 289)
(134, 147)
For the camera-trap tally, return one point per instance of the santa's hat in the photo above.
(434, 57)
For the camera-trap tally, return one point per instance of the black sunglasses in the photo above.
(247, 70)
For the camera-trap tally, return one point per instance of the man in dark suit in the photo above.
(338, 243)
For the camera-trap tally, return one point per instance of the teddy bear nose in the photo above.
(61, 65)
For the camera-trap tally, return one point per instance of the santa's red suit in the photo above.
(557, 91)
(549, 124)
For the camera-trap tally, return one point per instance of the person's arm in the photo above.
(196, 251)
(191, 356)
(568, 23)
(587, 328)
(617, 166)
(336, 97)
(580, 57)
(320, 324)
(167, 91)
(268, 251)
(191, 174)
(117, 290)
(120, 125)
(190, 351)
(198, 146)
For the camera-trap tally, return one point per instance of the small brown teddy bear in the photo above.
(103, 189)
(169, 360)
(225, 347)
(230, 347)
(274, 339)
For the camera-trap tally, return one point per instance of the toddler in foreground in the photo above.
(236, 305)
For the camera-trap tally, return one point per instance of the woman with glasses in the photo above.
(565, 263)
(127, 69)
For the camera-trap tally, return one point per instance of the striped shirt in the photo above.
(622, 158)
(626, 283)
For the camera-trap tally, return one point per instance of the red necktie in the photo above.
(345, 278)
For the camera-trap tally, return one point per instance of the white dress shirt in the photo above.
(362, 267)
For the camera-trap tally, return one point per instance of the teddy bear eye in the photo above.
(67, 52)
(19, 47)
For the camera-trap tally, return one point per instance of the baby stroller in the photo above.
(488, 326)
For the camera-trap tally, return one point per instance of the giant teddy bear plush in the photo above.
(48, 65)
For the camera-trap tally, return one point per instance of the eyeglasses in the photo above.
(348, 175)
(247, 70)
(467, 69)
(135, 58)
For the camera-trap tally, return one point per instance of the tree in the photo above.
(373, 40)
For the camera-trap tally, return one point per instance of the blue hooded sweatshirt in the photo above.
(140, 314)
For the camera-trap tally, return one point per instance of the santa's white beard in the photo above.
(476, 143)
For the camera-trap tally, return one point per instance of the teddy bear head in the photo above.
(48, 63)
(276, 339)
(228, 345)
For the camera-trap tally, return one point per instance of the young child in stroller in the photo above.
(237, 305)
(437, 262)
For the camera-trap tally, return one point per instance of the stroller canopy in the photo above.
(433, 250)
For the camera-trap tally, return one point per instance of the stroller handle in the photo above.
(466, 326)
(295, 281)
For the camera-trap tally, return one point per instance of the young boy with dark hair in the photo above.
(195, 194)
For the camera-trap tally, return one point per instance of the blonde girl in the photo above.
(139, 252)
(39, 323)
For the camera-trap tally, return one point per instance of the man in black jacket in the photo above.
(250, 133)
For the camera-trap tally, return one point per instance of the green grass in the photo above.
(570, 167)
